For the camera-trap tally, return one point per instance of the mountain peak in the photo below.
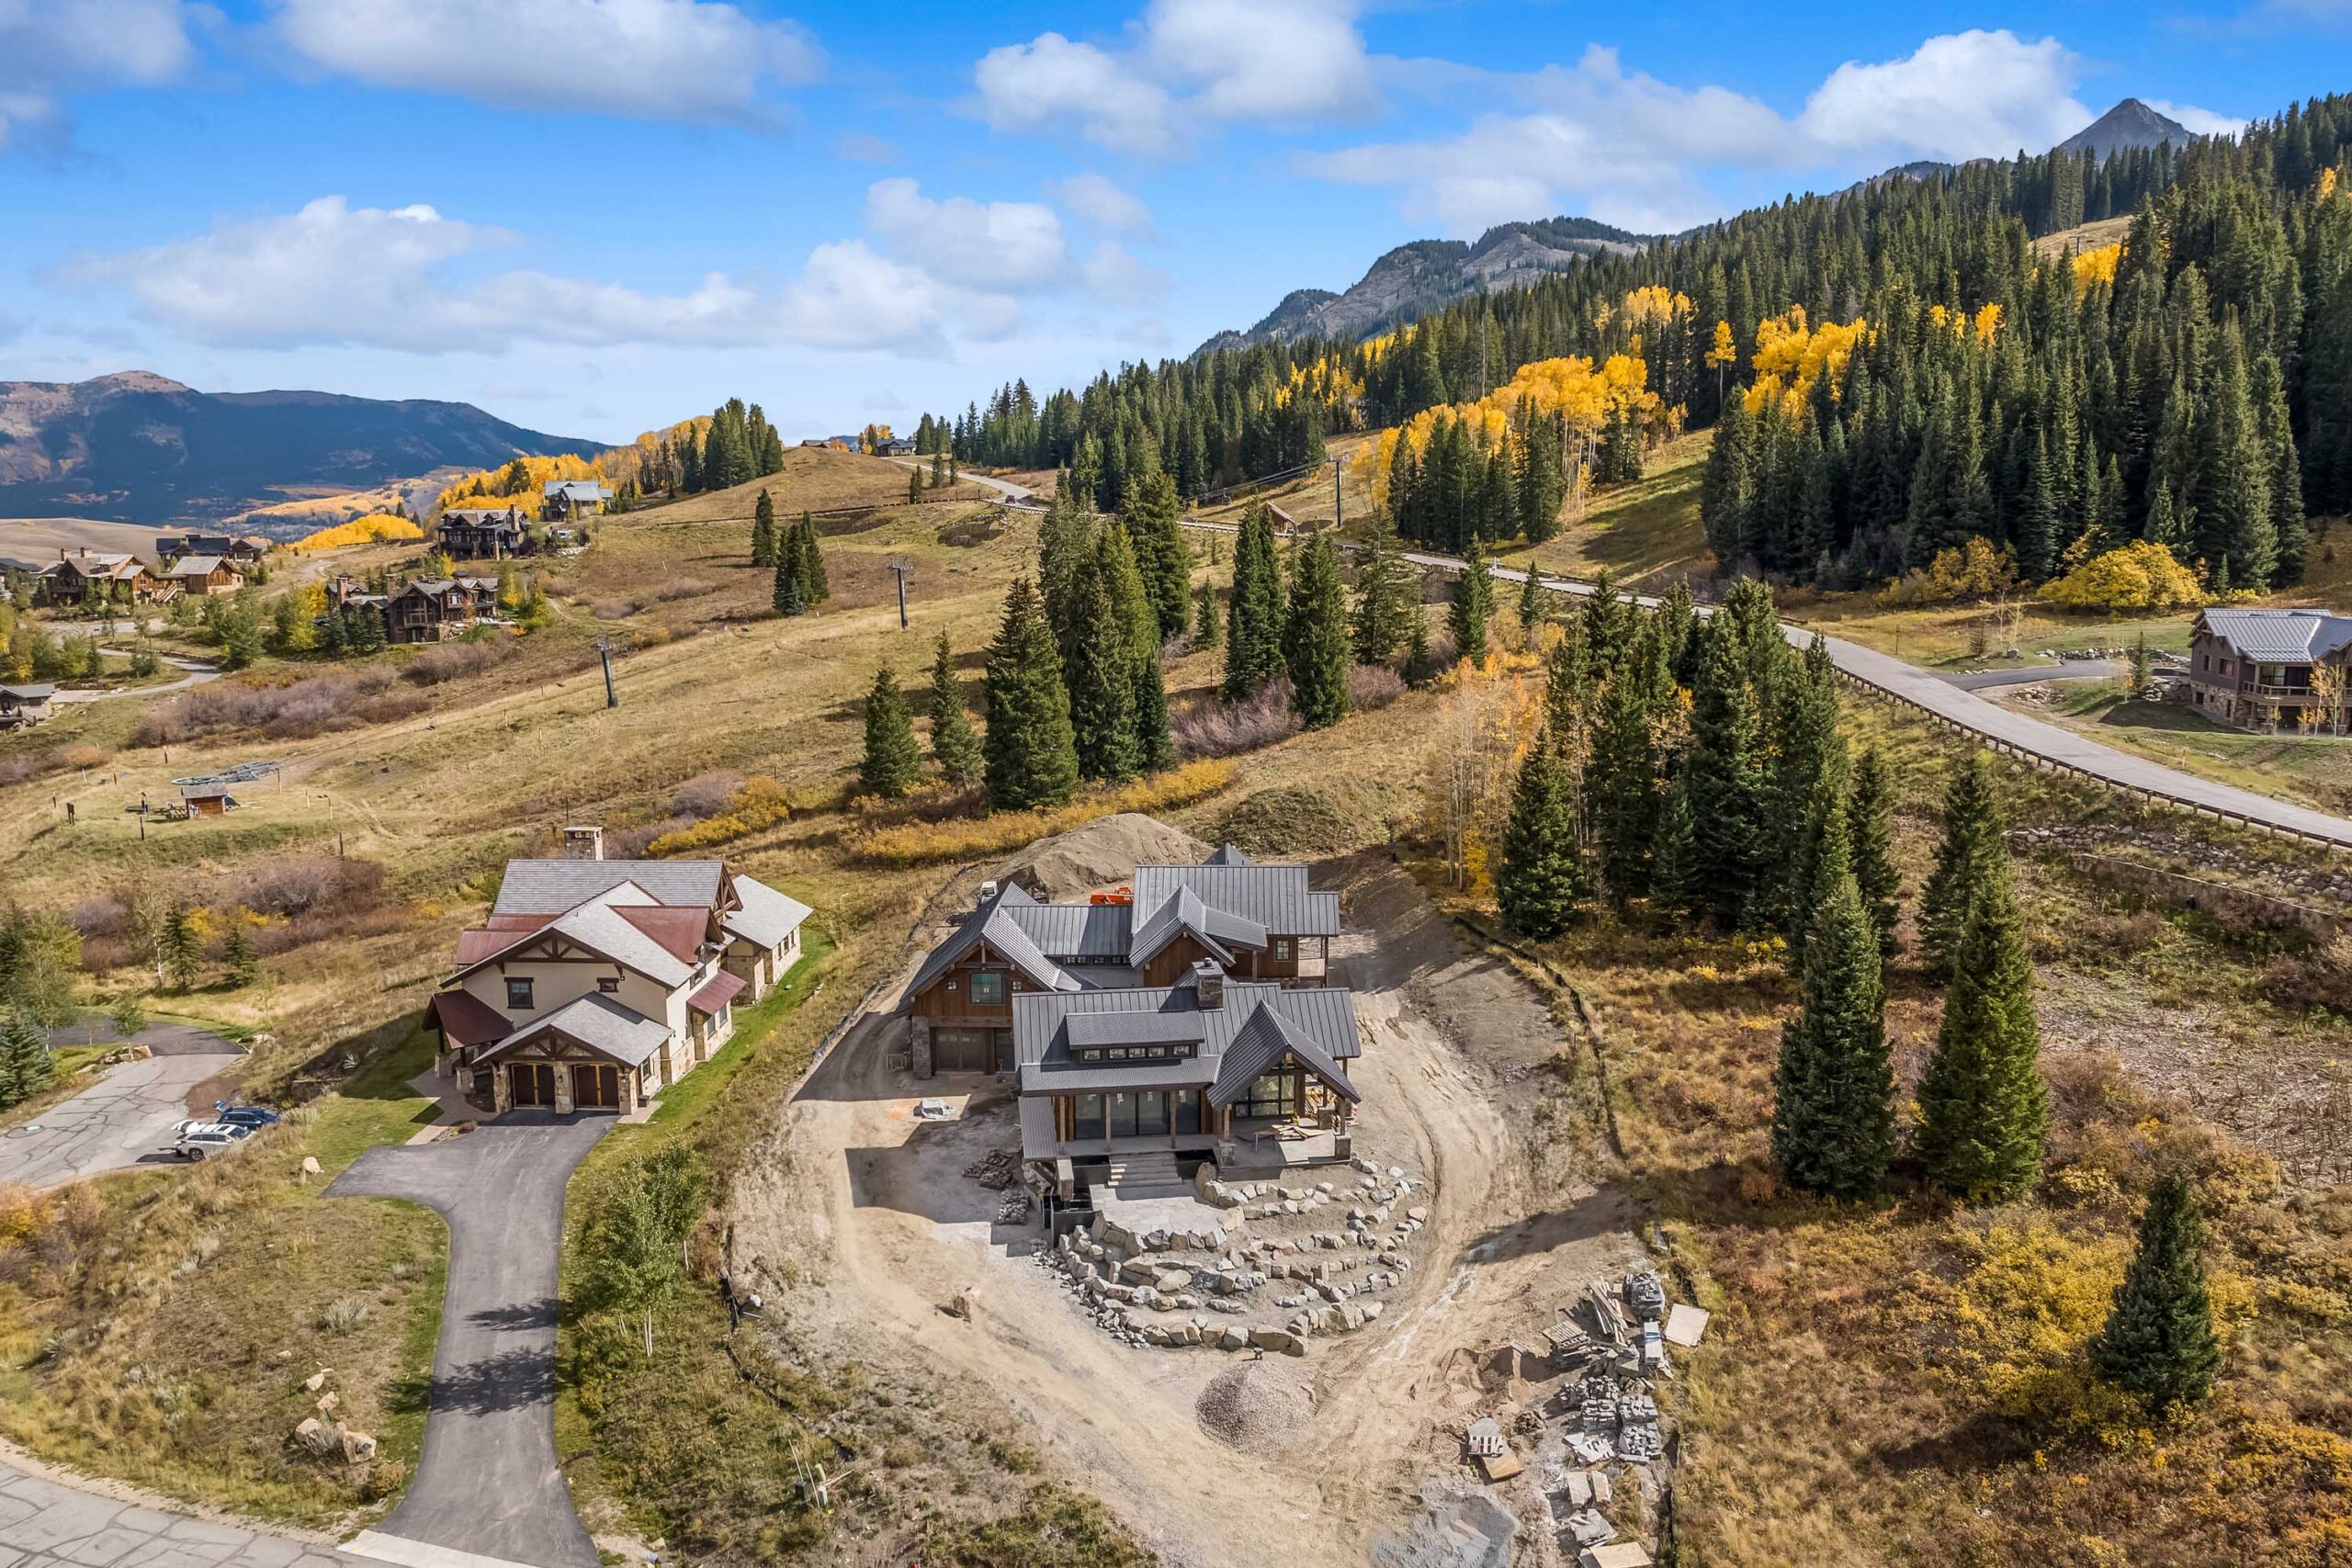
(2129, 125)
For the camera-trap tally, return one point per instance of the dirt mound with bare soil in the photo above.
(1102, 853)
(1258, 1406)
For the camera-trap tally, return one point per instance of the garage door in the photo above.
(595, 1086)
(964, 1050)
(530, 1083)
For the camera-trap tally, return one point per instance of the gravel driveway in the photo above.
(487, 1482)
(124, 1119)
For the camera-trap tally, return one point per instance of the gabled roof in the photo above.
(1261, 1045)
(598, 1022)
(716, 993)
(1275, 896)
(679, 931)
(37, 693)
(551, 887)
(1227, 854)
(991, 924)
(576, 489)
(1065, 932)
(1186, 913)
(479, 516)
(89, 563)
(195, 566)
(2281, 636)
(604, 930)
(467, 1019)
(767, 917)
(1323, 1018)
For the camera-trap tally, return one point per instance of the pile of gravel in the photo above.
(1258, 1406)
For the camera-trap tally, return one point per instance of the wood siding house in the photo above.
(2267, 668)
(1180, 1019)
(564, 501)
(482, 532)
(437, 609)
(595, 985)
(201, 577)
(70, 579)
(238, 549)
(25, 704)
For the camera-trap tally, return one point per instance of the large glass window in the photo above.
(1187, 1110)
(1088, 1122)
(988, 988)
(1123, 1114)
(1269, 1096)
(1151, 1111)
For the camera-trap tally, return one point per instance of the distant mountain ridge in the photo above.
(139, 447)
(1423, 275)
(1416, 278)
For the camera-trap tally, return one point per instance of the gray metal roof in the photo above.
(35, 693)
(1087, 1031)
(195, 566)
(1169, 1072)
(551, 887)
(1215, 930)
(1260, 1046)
(1323, 1017)
(1227, 854)
(577, 489)
(767, 917)
(993, 922)
(598, 1022)
(2281, 636)
(1073, 931)
(1275, 896)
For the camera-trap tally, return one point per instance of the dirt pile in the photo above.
(1289, 821)
(1260, 1407)
(1102, 853)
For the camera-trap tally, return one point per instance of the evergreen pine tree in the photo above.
(1032, 756)
(1387, 590)
(1155, 744)
(1208, 626)
(1674, 856)
(1621, 779)
(953, 745)
(1833, 1116)
(790, 592)
(1314, 636)
(1974, 829)
(764, 545)
(1984, 1109)
(2158, 1341)
(1870, 818)
(1531, 603)
(812, 563)
(1419, 663)
(892, 764)
(244, 963)
(1152, 521)
(1540, 880)
(26, 1066)
(1473, 607)
(1722, 768)
(1101, 688)
(1253, 649)
(2166, 526)
(176, 954)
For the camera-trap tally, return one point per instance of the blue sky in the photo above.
(594, 217)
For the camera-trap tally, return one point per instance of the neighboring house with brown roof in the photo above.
(2263, 669)
(202, 576)
(595, 985)
(70, 579)
(482, 532)
(238, 549)
(436, 609)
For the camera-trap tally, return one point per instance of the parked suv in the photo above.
(201, 1140)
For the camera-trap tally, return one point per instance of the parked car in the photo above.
(255, 1116)
(206, 1139)
(182, 1129)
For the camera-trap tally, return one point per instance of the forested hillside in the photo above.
(1902, 369)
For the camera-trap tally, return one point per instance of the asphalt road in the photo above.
(2031, 674)
(124, 1119)
(46, 1525)
(487, 1483)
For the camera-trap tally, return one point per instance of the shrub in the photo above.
(2141, 575)
(343, 1315)
(447, 661)
(1287, 821)
(302, 708)
(761, 803)
(1220, 729)
(927, 843)
(1975, 570)
(705, 794)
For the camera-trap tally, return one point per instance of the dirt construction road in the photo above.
(874, 1205)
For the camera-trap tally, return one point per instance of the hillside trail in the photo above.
(884, 1234)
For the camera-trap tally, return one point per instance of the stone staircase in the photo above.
(1151, 1174)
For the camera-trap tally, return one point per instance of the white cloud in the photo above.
(1972, 94)
(335, 275)
(1027, 87)
(1096, 199)
(1112, 273)
(864, 147)
(1265, 60)
(684, 60)
(995, 245)
(51, 47)
(1191, 63)
(1629, 148)
(2197, 121)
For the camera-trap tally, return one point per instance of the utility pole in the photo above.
(902, 570)
(1338, 500)
(604, 653)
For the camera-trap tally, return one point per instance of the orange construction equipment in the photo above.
(1121, 895)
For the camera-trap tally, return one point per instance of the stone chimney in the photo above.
(1208, 983)
(581, 842)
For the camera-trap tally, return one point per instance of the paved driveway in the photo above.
(124, 1119)
(487, 1482)
(44, 1524)
(2028, 675)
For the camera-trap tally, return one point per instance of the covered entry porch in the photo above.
(589, 1055)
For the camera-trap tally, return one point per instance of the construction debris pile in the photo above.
(1274, 1289)
(996, 1170)
(1609, 1347)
